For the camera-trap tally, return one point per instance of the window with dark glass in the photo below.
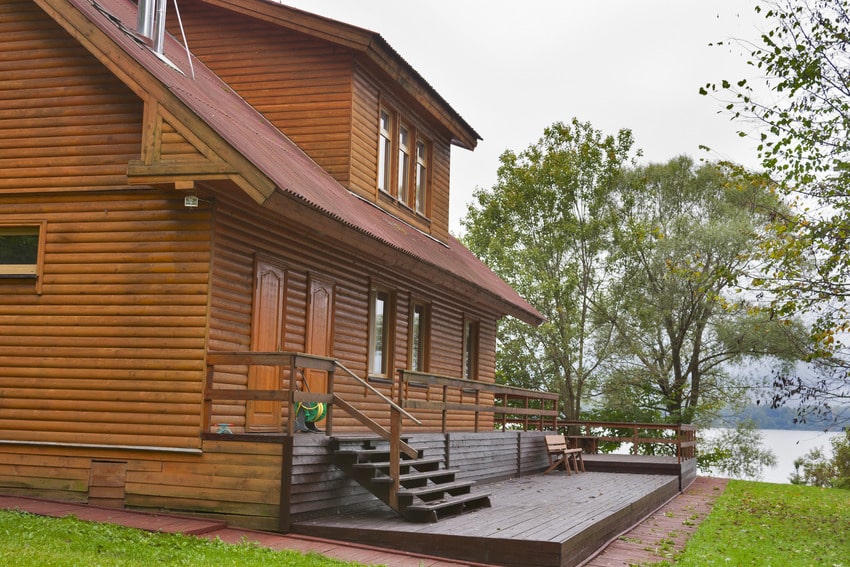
(19, 250)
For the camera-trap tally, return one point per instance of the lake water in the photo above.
(788, 446)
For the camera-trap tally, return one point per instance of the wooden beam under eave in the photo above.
(192, 169)
(259, 189)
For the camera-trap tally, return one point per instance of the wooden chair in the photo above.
(560, 454)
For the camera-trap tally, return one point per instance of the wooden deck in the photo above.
(552, 520)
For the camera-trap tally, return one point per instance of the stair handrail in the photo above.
(375, 391)
(397, 446)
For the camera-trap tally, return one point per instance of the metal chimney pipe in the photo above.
(144, 22)
(159, 38)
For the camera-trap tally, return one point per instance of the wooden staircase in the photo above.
(425, 491)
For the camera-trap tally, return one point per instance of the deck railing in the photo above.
(528, 409)
(680, 436)
(510, 407)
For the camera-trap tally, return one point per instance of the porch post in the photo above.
(285, 524)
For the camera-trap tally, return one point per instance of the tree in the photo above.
(818, 470)
(684, 238)
(543, 228)
(804, 137)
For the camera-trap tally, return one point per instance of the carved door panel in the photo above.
(319, 330)
(266, 336)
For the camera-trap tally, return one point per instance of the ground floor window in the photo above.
(380, 322)
(470, 350)
(22, 250)
(19, 249)
(420, 325)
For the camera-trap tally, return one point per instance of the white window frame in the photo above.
(420, 188)
(405, 137)
(385, 151)
(380, 333)
(471, 350)
(419, 340)
(404, 162)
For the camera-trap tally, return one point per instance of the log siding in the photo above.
(111, 351)
(67, 123)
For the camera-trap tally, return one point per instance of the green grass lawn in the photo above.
(34, 541)
(773, 525)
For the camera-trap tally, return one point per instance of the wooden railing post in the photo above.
(395, 455)
(329, 418)
(445, 416)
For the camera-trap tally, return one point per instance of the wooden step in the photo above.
(362, 451)
(420, 476)
(431, 489)
(451, 505)
(358, 453)
(363, 441)
(428, 461)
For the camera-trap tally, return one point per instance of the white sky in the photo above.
(511, 68)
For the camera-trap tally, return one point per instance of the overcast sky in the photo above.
(511, 68)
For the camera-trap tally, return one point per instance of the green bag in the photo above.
(313, 412)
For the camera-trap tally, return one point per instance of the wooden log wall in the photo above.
(68, 124)
(238, 482)
(112, 350)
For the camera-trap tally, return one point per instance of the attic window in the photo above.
(385, 148)
(404, 157)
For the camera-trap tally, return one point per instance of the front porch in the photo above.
(556, 519)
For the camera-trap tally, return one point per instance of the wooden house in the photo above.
(174, 215)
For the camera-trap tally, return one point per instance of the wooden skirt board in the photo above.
(553, 520)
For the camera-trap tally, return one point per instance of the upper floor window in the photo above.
(403, 162)
(421, 177)
(419, 332)
(385, 145)
(470, 350)
(379, 333)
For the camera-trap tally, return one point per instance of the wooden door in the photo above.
(266, 336)
(319, 330)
